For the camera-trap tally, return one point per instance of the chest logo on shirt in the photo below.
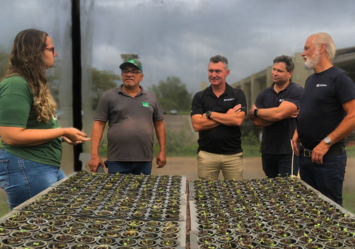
(321, 85)
(145, 104)
(231, 99)
(281, 100)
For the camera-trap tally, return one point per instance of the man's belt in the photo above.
(331, 152)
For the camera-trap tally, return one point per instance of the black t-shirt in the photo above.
(222, 139)
(321, 108)
(276, 137)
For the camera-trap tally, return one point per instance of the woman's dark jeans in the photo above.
(22, 179)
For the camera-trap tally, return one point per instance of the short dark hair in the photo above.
(287, 60)
(218, 58)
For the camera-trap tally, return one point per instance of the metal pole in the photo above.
(293, 156)
(76, 87)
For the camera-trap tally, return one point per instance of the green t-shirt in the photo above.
(16, 101)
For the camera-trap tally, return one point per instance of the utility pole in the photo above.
(76, 84)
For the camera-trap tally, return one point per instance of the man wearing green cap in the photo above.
(132, 114)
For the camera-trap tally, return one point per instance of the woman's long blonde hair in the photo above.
(27, 60)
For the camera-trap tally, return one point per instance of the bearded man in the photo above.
(327, 116)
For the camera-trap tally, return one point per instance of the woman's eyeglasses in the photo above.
(50, 49)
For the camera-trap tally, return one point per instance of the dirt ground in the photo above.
(187, 166)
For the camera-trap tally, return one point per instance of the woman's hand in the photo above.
(74, 136)
(65, 139)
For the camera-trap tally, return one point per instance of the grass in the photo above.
(4, 206)
(350, 151)
(251, 151)
(181, 151)
(349, 199)
(191, 151)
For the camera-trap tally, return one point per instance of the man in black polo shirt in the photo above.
(275, 110)
(327, 116)
(217, 112)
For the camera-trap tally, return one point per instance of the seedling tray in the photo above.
(224, 209)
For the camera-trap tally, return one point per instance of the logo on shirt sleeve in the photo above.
(321, 85)
(145, 104)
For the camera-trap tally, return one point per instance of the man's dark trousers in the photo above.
(135, 168)
(279, 165)
(328, 177)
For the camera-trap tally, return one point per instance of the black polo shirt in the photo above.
(321, 109)
(276, 137)
(222, 139)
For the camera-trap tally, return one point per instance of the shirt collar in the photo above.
(142, 92)
(226, 92)
(272, 87)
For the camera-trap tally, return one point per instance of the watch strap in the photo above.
(256, 112)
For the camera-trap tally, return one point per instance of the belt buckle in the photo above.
(307, 153)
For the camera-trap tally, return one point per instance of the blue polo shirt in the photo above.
(276, 137)
(321, 109)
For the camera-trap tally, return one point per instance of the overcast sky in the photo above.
(177, 37)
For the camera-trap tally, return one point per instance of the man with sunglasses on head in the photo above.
(132, 114)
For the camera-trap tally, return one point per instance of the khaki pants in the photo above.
(210, 164)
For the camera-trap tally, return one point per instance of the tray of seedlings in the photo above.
(115, 196)
(88, 210)
(266, 213)
(33, 231)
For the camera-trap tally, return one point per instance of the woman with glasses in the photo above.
(31, 138)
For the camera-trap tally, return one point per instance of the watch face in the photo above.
(327, 140)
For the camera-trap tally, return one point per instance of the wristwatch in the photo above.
(328, 141)
(208, 114)
(256, 112)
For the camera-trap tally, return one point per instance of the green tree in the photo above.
(172, 94)
(102, 81)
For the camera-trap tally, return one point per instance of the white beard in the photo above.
(311, 64)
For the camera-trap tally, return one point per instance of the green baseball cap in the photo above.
(132, 62)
